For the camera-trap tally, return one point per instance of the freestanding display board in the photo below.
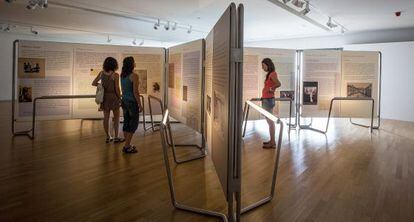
(254, 76)
(321, 81)
(352, 78)
(51, 68)
(224, 54)
(185, 83)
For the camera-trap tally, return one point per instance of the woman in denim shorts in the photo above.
(131, 104)
(268, 98)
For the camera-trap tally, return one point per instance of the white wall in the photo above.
(339, 41)
(397, 100)
(6, 52)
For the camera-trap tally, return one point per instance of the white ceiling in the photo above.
(263, 20)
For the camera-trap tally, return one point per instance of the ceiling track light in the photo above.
(307, 9)
(157, 24)
(330, 24)
(190, 29)
(33, 31)
(167, 26)
(109, 40)
(298, 3)
(141, 43)
(33, 4)
(174, 27)
(134, 42)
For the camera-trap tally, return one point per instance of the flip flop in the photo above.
(130, 149)
(108, 140)
(119, 140)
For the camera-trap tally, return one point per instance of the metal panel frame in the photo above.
(330, 111)
(277, 157)
(246, 111)
(169, 137)
(164, 128)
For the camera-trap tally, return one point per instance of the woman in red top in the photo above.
(268, 98)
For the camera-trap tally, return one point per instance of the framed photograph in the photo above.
(310, 93)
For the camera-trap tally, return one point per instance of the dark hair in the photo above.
(110, 64)
(127, 66)
(270, 66)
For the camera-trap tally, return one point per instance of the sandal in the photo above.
(130, 149)
(108, 140)
(118, 140)
(269, 146)
(267, 142)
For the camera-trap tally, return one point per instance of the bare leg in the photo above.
(271, 131)
(128, 138)
(116, 121)
(106, 123)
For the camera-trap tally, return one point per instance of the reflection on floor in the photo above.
(69, 174)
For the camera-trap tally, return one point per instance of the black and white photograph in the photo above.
(359, 90)
(31, 68)
(310, 93)
(287, 94)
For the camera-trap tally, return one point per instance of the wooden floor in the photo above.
(69, 174)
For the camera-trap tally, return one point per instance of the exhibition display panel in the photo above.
(254, 76)
(185, 83)
(57, 69)
(352, 76)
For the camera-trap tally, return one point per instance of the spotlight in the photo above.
(33, 31)
(157, 24)
(167, 26)
(298, 3)
(190, 29)
(306, 10)
(330, 24)
(32, 4)
(174, 27)
(134, 42)
(7, 29)
(141, 43)
(343, 30)
(109, 40)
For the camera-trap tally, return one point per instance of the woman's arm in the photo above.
(275, 81)
(135, 83)
(96, 80)
(117, 89)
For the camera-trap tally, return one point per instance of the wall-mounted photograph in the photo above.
(25, 94)
(142, 79)
(359, 90)
(310, 93)
(287, 94)
(171, 75)
(31, 68)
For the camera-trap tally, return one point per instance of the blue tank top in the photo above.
(127, 89)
